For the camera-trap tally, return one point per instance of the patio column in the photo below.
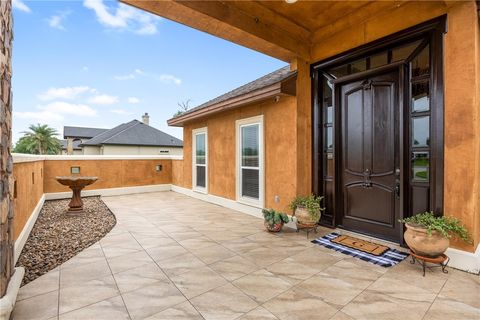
(462, 119)
(304, 126)
(6, 165)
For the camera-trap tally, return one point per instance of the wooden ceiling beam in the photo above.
(225, 20)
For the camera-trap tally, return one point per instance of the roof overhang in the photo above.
(282, 88)
(246, 23)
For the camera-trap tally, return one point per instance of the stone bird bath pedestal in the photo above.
(76, 184)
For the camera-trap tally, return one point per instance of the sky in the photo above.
(102, 63)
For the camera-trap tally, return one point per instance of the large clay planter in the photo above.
(303, 217)
(277, 227)
(423, 244)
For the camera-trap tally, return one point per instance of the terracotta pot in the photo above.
(423, 244)
(273, 228)
(303, 217)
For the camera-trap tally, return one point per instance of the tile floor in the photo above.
(174, 257)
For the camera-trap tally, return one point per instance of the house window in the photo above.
(250, 184)
(200, 160)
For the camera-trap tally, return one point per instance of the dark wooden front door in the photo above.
(370, 181)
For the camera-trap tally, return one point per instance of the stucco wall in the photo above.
(462, 119)
(462, 115)
(89, 150)
(280, 151)
(29, 189)
(110, 173)
(140, 150)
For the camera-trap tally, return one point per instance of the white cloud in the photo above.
(56, 21)
(59, 107)
(123, 17)
(67, 93)
(85, 68)
(165, 78)
(121, 111)
(168, 78)
(133, 100)
(104, 99)
(20, 5)
(56, 111)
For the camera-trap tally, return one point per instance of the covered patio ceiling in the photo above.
(277, 28)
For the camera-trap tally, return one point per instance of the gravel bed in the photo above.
(57, 237)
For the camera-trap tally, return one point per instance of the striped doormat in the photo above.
(389, 258)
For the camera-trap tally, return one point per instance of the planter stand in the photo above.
(307, 227)
(440, 261)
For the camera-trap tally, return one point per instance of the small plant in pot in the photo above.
(274, 220)
(307, 209)
(429, 235)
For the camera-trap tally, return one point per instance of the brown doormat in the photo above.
(362, 245)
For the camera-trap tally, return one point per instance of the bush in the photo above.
(273, 217)
(446, 226)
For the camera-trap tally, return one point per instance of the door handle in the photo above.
(397, 188)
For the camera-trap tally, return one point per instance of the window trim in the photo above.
(196, 132)
(261, 155)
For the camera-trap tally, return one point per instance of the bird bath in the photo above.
(76, 184)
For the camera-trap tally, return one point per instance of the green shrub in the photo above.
(446, 226)
(273, 217)
(312, 203)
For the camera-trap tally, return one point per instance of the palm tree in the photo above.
(40, 139)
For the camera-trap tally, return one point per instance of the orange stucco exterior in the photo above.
(33, 179)
(280, 141)
(28, 189)
(462, 114)
(110, 173)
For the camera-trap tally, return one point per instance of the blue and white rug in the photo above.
(389, 258)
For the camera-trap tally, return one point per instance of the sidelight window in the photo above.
(200, 160)
(250, 161)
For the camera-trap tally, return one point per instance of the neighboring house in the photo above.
(75, 149)
(131, 138)
(378, 111)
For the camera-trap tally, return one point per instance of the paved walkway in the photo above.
(174, 257)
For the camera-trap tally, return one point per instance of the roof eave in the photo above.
(280, 88)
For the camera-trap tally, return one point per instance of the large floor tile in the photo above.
(446, 309)
(213, 253)
(83, 294)
(180, 264)
(262, 285)
(109, 309)
(182, 311)
(77, 275)
(129, 261)
(226, 302)
(137, 278)
(372, 305)
(297, 304)
(234, 267)
(263, 256)
(259, 313)
(152, 299)
(44, 306)
(166, 252)
(197, 281)
(292, 271)
(462, 287)
(44, 284)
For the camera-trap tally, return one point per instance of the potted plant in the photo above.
(307, 209)
(428, 235)
(274, 220)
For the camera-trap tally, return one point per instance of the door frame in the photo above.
(431, 31)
